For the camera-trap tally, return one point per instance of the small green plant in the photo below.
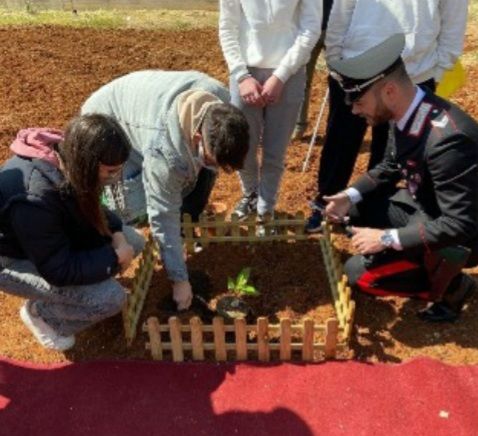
(241, 285)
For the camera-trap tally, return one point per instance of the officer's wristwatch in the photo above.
(387, 239)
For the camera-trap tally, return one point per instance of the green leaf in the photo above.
(251, 290)
(230, 284)
(240, 281)
(243, 277)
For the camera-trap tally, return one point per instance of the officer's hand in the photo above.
(250, 90)
(182, 294)
(338, 206)
(272, 90)
(366, 240)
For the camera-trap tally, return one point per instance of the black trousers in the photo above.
(392, 209)
(302, 119)
(195, 202)
(343, 139)
(384, 210)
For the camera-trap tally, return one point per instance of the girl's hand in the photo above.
(250, 90)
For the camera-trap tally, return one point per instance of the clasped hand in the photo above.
(255, 94)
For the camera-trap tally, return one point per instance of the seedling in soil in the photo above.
(241, 285)
(232, 306)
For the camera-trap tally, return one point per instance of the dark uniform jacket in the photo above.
(40, 221)
(436, 156)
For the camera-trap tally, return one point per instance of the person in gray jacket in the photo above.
(181, 128)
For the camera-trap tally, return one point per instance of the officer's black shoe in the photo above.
(314, 222)
(449, 309)
(438, 312)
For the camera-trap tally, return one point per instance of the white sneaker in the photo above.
(43, 332)
(261, 222)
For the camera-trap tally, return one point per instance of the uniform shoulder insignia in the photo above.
(420, 118)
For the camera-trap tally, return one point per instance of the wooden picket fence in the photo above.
(341, 292)
(139, 290)
(192, 338)
(216, 229)
(317, 341)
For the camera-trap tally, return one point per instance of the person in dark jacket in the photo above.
(59, 248)
(302, 121)
(416, 212)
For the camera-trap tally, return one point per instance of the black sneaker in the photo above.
(247, 206)
(449, 309)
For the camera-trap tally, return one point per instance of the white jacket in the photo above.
(434, 30)
(277, 34)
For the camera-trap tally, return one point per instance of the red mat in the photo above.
(423, 397)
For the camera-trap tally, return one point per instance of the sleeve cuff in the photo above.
(396, 240)
(412, 236)
(240, 72)
(354, 195)
(364, 184)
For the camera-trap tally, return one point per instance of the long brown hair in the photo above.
(91, 140)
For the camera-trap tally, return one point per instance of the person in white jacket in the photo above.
(266, 44)
(434, 33)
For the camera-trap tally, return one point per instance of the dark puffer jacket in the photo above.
(40, 221)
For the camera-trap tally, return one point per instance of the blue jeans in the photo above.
(67, 309)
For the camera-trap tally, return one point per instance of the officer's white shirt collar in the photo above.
(419, 94)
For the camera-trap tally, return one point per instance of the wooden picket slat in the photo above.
(203, 225)
(197, 338)
(176, 339)
(300, 228)
(263, 339)
(241, 338)
(152, 325)
(285, 339)
(220, 225)
(332, 329)
(350, 319)
(308, 341)
(235, 229)
(219, 338)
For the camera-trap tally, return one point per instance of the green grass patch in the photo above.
(110, 19)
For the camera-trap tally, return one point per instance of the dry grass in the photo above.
(112, 19)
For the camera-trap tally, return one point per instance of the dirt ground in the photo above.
(48, 72)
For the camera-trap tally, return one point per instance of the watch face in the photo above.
(387, 239)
